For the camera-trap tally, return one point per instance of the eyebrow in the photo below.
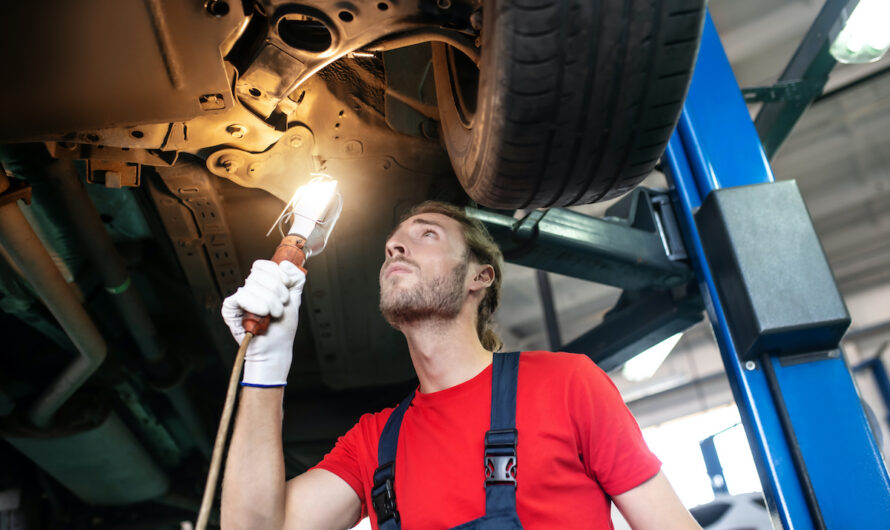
(421, 221)
(418, 221)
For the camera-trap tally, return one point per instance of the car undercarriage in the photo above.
(156, 142)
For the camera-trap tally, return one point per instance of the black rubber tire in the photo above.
(576, 99)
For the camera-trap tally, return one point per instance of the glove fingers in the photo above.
(230, 309)
(258, 300)
(291, 275)
(271, 282)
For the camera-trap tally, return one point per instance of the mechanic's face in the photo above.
(425, 272)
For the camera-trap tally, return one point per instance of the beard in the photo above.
(439, 299)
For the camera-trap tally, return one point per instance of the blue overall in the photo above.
(499, 458)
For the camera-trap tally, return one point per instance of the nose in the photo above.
(394, 248)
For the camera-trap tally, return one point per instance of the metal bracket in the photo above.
(114, 174)
(202, 237)
(276, 170)
(639, 321)
(783, 91)
(636, 246)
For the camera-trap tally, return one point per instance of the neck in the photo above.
(445, 353)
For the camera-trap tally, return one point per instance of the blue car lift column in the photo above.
(817, 458)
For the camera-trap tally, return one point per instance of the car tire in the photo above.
(573, 101)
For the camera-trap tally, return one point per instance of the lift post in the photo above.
(816, 456)
(758, 270)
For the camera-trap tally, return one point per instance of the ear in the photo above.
(483, 276)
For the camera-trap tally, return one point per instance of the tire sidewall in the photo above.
(469, 147)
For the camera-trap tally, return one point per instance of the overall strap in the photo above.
(383, 494)
(500, 440)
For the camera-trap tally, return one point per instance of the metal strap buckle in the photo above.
(500, 456)
(384, 501)
(500, 470)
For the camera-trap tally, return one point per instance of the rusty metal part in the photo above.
(28, 254)
(113, 174)
(280, 170)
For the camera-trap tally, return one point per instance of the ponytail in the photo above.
(491, 341)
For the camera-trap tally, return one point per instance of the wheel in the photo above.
(574, 101)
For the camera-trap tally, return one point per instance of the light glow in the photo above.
(865, 36)
(644, 365)
(308, 206)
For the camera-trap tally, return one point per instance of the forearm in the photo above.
(253, 483)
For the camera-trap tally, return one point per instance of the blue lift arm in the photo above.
(716, 147)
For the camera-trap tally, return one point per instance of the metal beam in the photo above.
(635, 247)
(549, 308)
(639, 321)
(801, 82)
(713, 465)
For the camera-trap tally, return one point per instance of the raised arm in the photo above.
(255, 495)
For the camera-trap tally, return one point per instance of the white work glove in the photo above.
(271, 289)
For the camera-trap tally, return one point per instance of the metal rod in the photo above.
(28, 254)
(222, 433)
(459, 41)
(550, 319)
(811, 63)
(84, 221)
(809, 493)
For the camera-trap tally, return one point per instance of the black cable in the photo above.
(809, 493)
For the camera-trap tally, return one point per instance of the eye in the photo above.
(428, 233)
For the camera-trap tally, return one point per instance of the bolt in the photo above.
(443, 4)
(353, 147)
(230, 164)
(476, 20)
(750, 365)
(296, 140)
(236, 130)
(216, 8)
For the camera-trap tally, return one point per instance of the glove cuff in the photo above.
(264, 373)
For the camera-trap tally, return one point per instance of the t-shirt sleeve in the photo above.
(611, 443)
(345, 459)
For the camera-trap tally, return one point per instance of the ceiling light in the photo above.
(644, 365)
(864, 36)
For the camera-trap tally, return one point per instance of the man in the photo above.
(577, 448)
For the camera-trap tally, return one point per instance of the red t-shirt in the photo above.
(578, 444)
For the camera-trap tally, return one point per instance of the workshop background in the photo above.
(679, 392)
(839, 154)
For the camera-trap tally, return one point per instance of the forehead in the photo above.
(452, 227)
